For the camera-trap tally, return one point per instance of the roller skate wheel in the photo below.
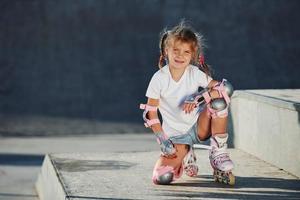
(215, 176)
(231, 179)
(216, 179)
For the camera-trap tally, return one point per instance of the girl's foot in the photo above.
(218, 155)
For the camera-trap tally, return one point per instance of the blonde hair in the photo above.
(184, 33)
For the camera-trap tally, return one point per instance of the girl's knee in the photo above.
(203, 135)
(203, 138)
(181, 147)
(181, 150)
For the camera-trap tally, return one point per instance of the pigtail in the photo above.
(203, 66)
(162, 44)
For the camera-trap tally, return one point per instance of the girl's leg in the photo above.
(204, 125)
(219, 157)
(217, 128)
(174, 164)
(208, 126)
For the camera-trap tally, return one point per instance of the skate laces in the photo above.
(190, 158)
(221, 158)
(190, 166)
(219, 154)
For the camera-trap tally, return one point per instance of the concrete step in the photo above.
(86, 176)
(266, 123)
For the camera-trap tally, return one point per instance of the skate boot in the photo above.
(190, 166)
(220, 161)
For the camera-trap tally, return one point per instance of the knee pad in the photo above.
(228, 87)
(163, 175)
(219, 107)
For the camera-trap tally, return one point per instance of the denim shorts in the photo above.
(190, 137)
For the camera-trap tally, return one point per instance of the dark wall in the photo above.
(93, 59)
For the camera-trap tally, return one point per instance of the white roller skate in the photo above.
(220, 161)
(190, 166)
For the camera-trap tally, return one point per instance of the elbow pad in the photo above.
(147, 108)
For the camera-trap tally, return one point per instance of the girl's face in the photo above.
(179, 54)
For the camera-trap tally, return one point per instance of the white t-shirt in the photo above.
(171, 95)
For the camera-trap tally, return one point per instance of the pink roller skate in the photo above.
(220, 161)
(190, 166)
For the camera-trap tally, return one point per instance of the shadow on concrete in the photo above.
(21, 159)
(246, 182)
(297, 108)
(230, 129)
(74, 165)
(103, 198)
(245, 188)
(10, 195)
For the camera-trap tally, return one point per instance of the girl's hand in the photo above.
(188, 107)
(166, 146)
(168, 149)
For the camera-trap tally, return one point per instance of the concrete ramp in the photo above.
(128, 176)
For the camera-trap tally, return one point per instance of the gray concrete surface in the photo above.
(266, 123)
(21, 158)
(128, 176)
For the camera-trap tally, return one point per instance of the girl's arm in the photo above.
(212, 83)
(189, 107)
(166, 145)
(153, 115)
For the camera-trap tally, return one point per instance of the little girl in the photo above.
(189, 116)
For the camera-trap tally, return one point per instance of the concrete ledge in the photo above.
(128, 176)
(287, 98)
(49, 184)
(266, 123)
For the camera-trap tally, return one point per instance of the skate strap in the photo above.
(192, 99)
(207, 97)
(221, 90)
(219, 86)
(198, 97)
(221, 141)
(214, 113)
(147, 108)
(151, 122)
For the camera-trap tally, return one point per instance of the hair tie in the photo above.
(201, 59)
